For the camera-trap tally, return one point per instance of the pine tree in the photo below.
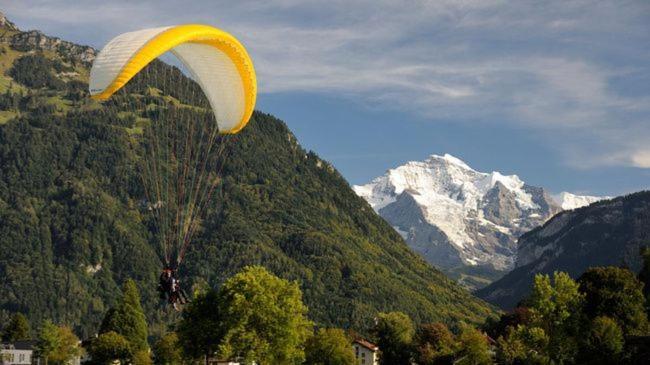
(394, 332)
(17, 330)
(127, 318)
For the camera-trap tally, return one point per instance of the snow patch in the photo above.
(570, 201)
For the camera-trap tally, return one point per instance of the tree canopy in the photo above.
(167, 350)
(57, 345)
(394, 332)
(265, 319)
(108, 347)
(127, 318)
(200, 330)
(17, 329)
(616, 293)
(329, 346)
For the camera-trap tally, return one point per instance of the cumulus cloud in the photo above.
(559, 68)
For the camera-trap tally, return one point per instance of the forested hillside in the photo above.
(73, 226)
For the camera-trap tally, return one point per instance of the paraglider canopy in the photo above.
(178, 135)
(215, 59)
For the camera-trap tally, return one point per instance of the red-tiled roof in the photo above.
(369, 345)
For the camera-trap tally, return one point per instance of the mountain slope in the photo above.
(464, 221)
(73, 226)
(604, 233)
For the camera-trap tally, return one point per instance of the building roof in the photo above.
(19, 345)
(369, 345)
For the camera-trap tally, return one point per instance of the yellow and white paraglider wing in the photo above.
(214, 58)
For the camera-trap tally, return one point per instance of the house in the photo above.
(16, 353)
(366, 353)
(22, 353)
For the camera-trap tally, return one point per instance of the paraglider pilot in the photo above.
(169, 288)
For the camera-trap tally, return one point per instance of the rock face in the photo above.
(604, 233)
(456, 216)
(5, 23)
(36, 40)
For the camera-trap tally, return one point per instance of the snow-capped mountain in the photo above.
(456, 216)
(570, 201)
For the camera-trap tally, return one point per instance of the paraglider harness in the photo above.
(169, 288)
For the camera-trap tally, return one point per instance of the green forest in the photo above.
(73, 226)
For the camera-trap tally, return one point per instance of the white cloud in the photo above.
(641, 158)
(558, 68)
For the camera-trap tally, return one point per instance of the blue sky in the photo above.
(557, 92)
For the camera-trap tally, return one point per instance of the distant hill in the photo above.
(605, 233)
(463, 221)
(72, 226)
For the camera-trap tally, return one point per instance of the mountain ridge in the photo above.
(605, 233)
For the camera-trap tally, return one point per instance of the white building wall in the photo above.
(365, 356)
(15, 357)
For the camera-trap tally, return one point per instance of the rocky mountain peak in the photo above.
(6, 23)
(37, 40)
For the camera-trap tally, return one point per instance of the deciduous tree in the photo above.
(108, 347)
(200, 331)
(616, 293)
(604, 343)
(329, 346)
(48, 340)
(474, 347)
(67, 347)
(556, 308)
(435, 344)
(167, 350)
(264, 318)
